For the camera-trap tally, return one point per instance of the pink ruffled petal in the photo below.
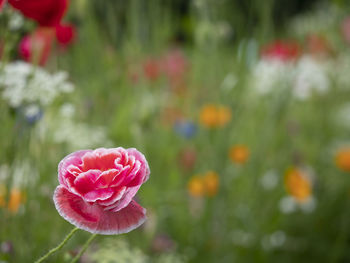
(71, 159)
(135, 176)
(117, 195)
(85, 182)
(92, 218)
(120, 178)
(102, 159)
(105, 179)
(126, 199)
(143, 173)
(98, 194)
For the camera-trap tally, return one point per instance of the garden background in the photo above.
(242, 109)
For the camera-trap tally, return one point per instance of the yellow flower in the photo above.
(223, 115)
(298, 184)
(16, 199)
(239, 154)
(212, 116)
(342, 159)
(196, 186)
(2, 195)
(201, 185)
(211, 183)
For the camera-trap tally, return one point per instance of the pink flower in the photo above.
(175, 65)
(97, 188)
(65, 34)
(318, 45)
(345, 28)
(281, 50)
(36, 47)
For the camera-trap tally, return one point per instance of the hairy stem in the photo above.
(53, 250)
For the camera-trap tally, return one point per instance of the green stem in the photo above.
(86, 245)
(58, 247)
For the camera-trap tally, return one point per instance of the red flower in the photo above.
(318, 45)
(45, 12)
(65, 34)
(97, 188)
(281, 50)
(2, 2)
(151, 69)
(36, 47)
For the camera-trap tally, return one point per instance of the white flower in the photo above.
(324, 19)
(16, 21)
(269, 74)
(229, 82)
(275, 240)
(242, 238)
(289, 205)
(31, 111)
(23, 83)
(343, 116)
(269, 180)
(67, 110)
(310, 76)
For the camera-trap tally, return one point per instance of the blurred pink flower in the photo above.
(65, 34)
(345, 28)
(36, 47)
(281, 50)
(174, 65)
(318, 45)
(97, 188)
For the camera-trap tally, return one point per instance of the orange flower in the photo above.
(224, 115)
(16, 198)
(298, 184)
(342, 159)
(239, 154)
(196, 186)
(212, 116)
(2, 195)
(211, 183)
(208, 116)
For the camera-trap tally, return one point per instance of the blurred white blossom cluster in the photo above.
(304, 77)
(63, 128)
(322, 19)
(25, 84)
(120, 251)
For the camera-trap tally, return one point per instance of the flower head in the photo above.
(36, 47)
(212, 116)
(201, 185)
(281, 50)
(97, 188)
(239, 154)
(211, 183)
(342, 159)
(298, 184)
(196, 186)
(16, 199)
(151, 69)
(65, 34)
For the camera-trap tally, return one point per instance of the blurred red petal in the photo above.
(92, 217)
(36, 47)
(45, 12)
